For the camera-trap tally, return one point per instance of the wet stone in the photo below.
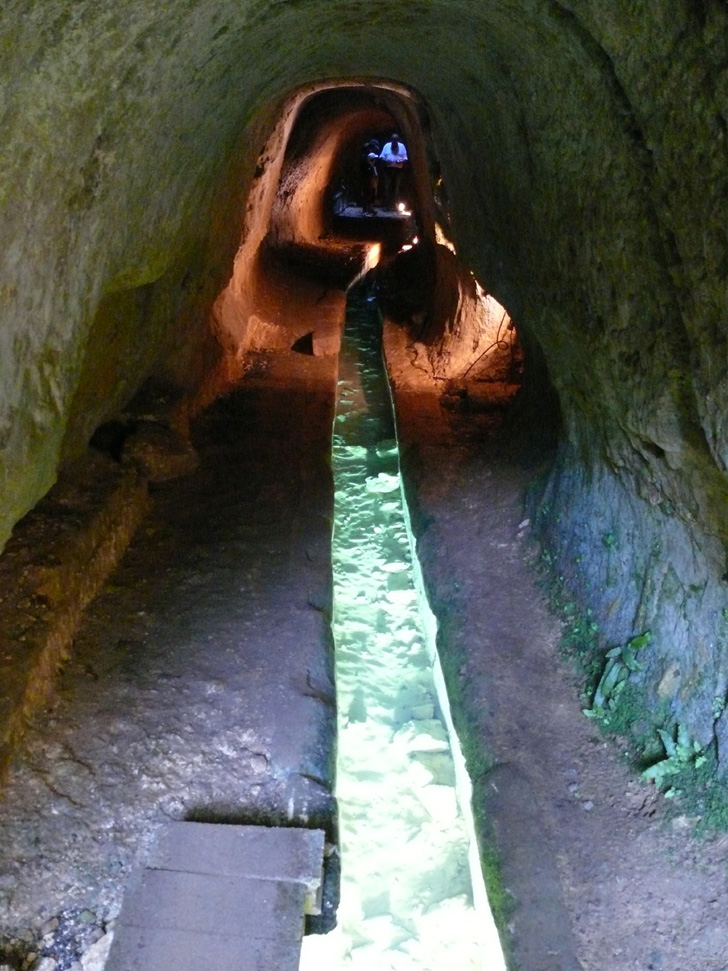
(405, 815)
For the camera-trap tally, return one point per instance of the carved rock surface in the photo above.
(581, 148)
(159, 453)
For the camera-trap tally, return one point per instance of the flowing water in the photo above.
(407, 895)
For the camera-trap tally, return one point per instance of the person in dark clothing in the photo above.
(370, 175)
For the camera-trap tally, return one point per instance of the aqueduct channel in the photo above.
(167, 188)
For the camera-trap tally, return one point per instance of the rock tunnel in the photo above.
(160, 161)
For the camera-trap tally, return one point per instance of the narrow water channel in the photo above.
(407, 900)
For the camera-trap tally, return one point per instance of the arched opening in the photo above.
(464, 343)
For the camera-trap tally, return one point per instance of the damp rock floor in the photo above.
(168, 709)
(200, 687)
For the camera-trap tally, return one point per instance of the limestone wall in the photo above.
(583, 152)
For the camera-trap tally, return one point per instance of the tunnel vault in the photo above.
(583, 153)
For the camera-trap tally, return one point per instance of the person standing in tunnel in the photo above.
(370, 176)
(394, 157)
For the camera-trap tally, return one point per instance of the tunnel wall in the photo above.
(122, 168)
(583, 151)
(634, 514)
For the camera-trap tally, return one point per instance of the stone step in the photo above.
(142, 949)
(222, 898)
(255, 852)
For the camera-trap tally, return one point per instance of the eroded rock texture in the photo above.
(582, 148)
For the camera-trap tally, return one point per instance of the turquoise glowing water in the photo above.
(407, 896)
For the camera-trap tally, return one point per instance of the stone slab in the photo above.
(254, 852)
(142, 949)
(53, 566)
(220, 905)
(540, 921)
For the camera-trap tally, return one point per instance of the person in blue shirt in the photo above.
(394, 158)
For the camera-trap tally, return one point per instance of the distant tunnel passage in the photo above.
(292, 220)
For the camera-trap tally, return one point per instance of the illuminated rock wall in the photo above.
(583, 153)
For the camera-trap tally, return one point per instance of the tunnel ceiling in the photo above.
(583, 151)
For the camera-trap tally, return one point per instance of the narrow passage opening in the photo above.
(407, 896)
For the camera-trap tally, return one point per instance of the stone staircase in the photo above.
(221, 898)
